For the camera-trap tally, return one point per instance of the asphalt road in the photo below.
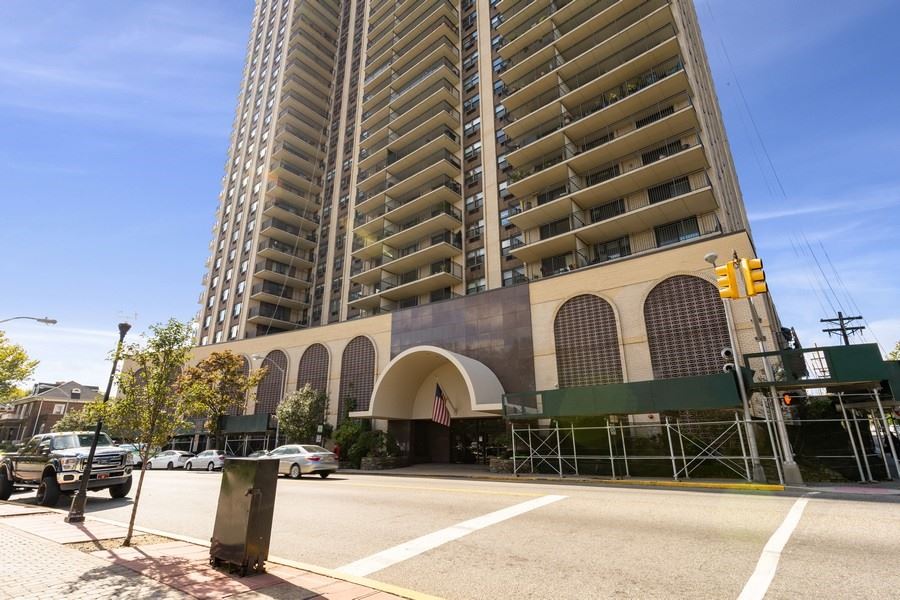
(593, 542)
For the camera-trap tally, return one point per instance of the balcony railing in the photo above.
(282, 269)
(279, 313)
(280, 184)
(394, 203)
(268, 243)
(397, 178)
(394, 157)
(290, 112)
(308, 215)
(595, 71)
(601, 101)
(389, 229)
(447, 266)
(281, 291)
(422, 243)
(538, 17)
(290, 229)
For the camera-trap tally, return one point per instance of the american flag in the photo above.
(439, 413)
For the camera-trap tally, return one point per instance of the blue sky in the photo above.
(115, 119)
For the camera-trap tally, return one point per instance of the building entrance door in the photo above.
(474, 441)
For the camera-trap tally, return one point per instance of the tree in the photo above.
(300, 413)
(15, 367)
(216, 384)
(147, 403)
(895, 353)
(82, 419)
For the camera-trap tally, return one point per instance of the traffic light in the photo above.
(754, 277)
(727, 281)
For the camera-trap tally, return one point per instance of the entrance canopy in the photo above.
(406, 388)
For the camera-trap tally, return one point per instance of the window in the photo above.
(679, 231)
(499, 64)
(237, 309)
(470, 82)
(475, 258)
(472, 126)
(471, 61)
(221, 316)
(471, 105)
(218, 337)
(473, 176)
(473, 151)
(232, 335)
(554, 264)
(207, 320)
(475, 286)
(506, 213)
(225, 294)
(499, 88)
(608, 210)
(510, 244)
(513, 276)
(617, 248)
(670, 189)
(469, 20)
(474, 202)
(59, 409)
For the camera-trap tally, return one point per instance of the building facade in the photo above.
(38, 412)
(506, 195)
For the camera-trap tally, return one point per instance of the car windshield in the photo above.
(79, 440)
(314, 449)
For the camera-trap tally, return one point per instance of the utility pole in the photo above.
(841, 321)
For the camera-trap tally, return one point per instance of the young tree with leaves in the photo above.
(300, 413)
(217, 384)
(15, 367)
(148, 403)
(895, 353)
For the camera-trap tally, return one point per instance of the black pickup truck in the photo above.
(52, 463)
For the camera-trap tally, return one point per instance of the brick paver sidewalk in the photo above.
(33, 568)
(35, 564)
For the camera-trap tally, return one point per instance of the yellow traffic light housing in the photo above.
(754, 277)
(726, 280)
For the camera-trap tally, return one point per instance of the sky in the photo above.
(115, 119)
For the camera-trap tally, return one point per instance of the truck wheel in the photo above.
(120, 490)
(48, 491)
(6, 487)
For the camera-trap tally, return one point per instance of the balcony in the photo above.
(402, 208)
(273, 316)
(399, 52)
(426, 250)
(305, 199)
(297, 124)
(414, 283)
(282, 211)
(581, 148)
(409, 23)
(442, 116)
(279, 295)
(439, 139)
(400, 183)
(439, 218)
(302, 105)
(443, 69)
(288, 234)
(281, 273)
(441, 95)
(286, 253)
(662, 161)
(665, 202)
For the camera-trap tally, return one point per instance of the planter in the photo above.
(377, 463)
(501, 465)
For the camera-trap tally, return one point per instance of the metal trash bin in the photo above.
(244, 516)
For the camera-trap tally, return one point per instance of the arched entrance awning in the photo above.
(405, 389)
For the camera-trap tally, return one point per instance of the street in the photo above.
(551, 541)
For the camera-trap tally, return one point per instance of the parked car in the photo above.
(169, 459)
(296, 460)
(53, 463)
(258, 454)
(208, 459)
(135, 454)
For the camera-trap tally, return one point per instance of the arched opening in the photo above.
(271, 389)
(357, 375)
(686, 327)
(587, 343)
(313, 368)
(405, 394)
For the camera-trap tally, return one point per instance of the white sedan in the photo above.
(208, 459)
(296, 460)
(169, 459)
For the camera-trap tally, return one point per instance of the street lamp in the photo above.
(76, 511)
(260, 357)
(44, 320)
(759, 473)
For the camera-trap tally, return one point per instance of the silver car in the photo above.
(296, 460)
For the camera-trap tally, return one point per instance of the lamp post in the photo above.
(759, 473)
(260, 357)
(44, 320)
(76, 511)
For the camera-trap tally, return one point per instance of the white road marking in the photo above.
(407, 550)
(758, 584)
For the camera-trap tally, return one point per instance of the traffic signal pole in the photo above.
(792, 474)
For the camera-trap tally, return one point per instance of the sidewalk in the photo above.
(36, 563)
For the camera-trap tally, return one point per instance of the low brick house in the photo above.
(39, 412)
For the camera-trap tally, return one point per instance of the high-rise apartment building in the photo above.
(547, 173)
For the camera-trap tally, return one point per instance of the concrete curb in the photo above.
(324, 571)
(712, 485)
